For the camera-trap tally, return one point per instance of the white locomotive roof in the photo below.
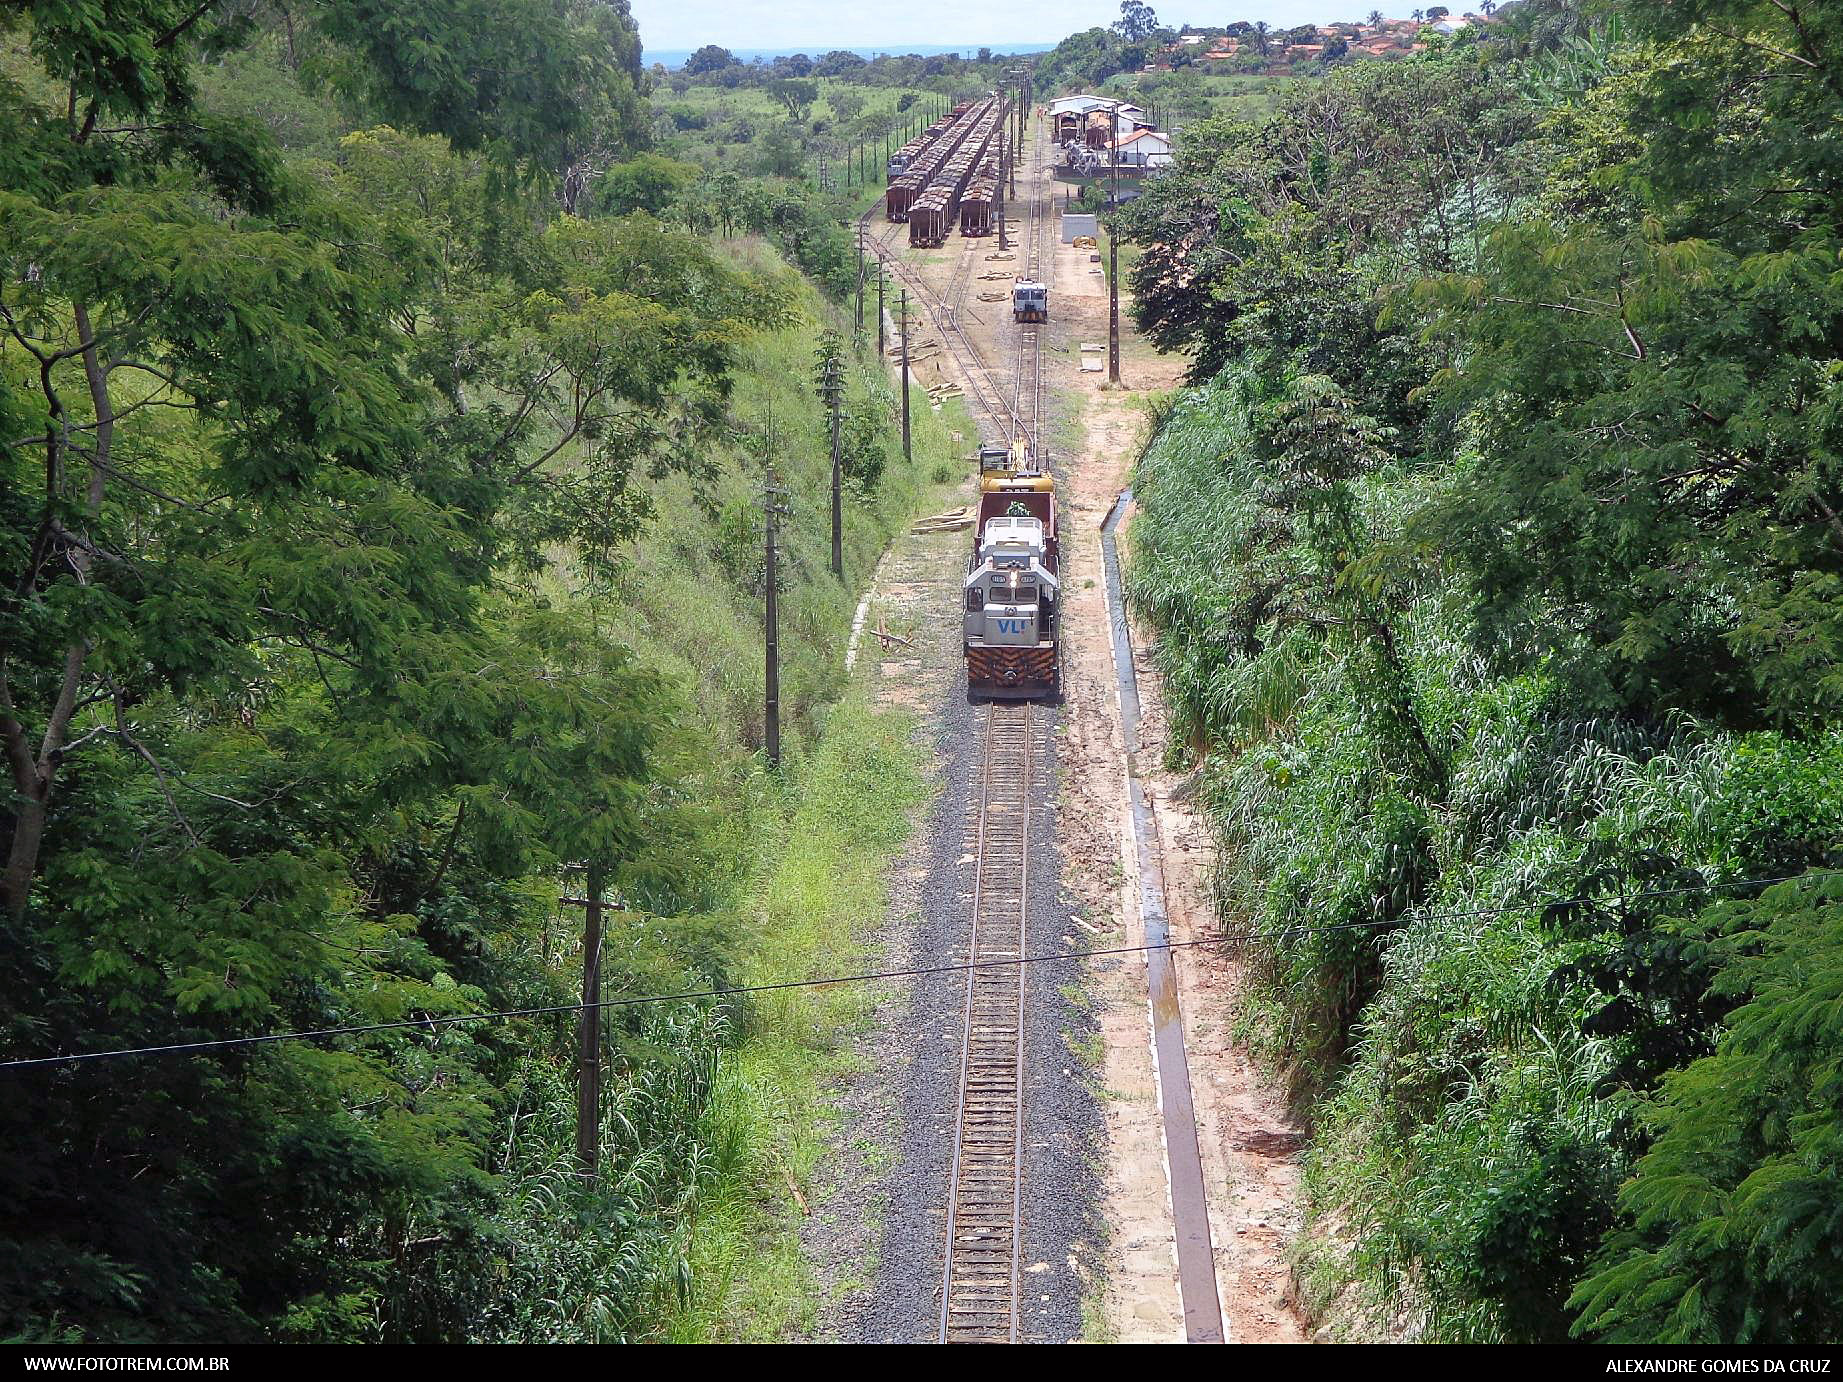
(1017, 532)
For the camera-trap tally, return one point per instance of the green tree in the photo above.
(1732, 1228)
(797, 94)
(287, 749)
(1137, 21)
(709, 58)
(1654, 393)
(650, 182)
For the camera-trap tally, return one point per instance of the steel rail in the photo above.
(982, 1256)
(1196, 1259)
(986, 392)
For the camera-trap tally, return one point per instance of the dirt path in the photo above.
(1250, 1150)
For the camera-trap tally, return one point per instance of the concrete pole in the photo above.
(1113, 253)
(834, 390)
(771, 701)
(907, 454)
(589, 1034)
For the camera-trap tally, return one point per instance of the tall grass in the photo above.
(1465, 1152)
(801, 851)
(808, 913)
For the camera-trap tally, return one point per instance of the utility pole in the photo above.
(999, 190)
(834, 388)
(907, 455)
(1113, 251)
(589, 1031)
(771, 701)
(1017, 143)
(1017, 120)
(860, 316)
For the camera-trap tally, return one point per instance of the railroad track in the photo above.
(979, 1285)
(981, 1253)
(985, 1211)
(1002, 407)
(1027, 372)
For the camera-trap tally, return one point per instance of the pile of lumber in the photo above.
(951, 521)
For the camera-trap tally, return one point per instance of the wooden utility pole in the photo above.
(907, 455)
(882, 347)
(1113, 252)
(589, 1033)
(860, 316)
(834, 393)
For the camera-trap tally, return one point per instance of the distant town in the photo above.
(1259, 47)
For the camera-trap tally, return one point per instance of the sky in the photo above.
(818, 25)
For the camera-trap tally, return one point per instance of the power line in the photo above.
(868, 976)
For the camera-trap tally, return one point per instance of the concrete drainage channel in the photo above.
(1196, 1265)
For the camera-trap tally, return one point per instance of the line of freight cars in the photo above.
(928, 194)
(935, 209)
(900, 161)
(920, 164)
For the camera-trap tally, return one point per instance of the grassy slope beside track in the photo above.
(811, 844)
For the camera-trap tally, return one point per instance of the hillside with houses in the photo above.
(1261, 48)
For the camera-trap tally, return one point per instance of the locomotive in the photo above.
(1011, 588)
(1029, 301)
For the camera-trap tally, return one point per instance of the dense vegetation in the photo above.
(382, 552)
(1497, 563)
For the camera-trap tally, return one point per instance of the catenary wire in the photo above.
(869, 976)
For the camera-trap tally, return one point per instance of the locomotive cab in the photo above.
(1029, 301)
(1010, 592)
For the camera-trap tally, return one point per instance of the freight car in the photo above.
(900, 161)
(978, 215)
(901, 194)
(1029, 301)
(931, 217)
(1011, 590)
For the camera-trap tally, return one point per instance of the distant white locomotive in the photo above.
(1029, 301)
